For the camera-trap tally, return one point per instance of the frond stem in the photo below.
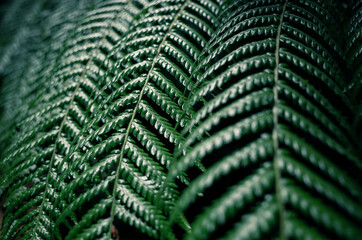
(275, 131)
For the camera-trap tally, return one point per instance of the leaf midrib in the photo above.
(178, 14)
(277, 173)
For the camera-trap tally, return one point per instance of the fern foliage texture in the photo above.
(181, 119)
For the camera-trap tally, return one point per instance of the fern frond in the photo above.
(153, 103)
(236, 84)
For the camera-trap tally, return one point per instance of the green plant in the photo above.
(180, 119)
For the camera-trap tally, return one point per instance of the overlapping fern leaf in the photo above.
(181, 119)
(269, 145)
(57, 95)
